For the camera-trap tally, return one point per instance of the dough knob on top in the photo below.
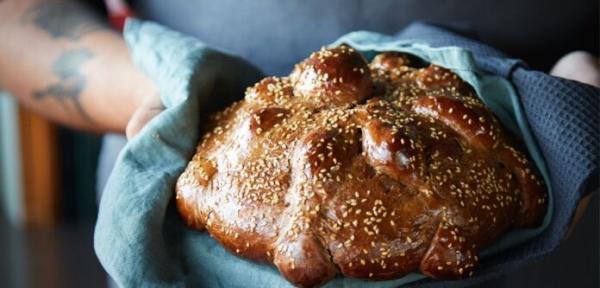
(335, 76)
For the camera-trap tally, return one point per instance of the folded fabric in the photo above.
(564, 117)
(141, 241)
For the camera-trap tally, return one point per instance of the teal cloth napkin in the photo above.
(140, 239)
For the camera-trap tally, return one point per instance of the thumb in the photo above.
(151, 107)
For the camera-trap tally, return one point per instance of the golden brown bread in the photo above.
(372, 171)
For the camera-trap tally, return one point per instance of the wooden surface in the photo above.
(39, 156)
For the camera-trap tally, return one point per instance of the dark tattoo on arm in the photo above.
(70, 80)
(66, 19)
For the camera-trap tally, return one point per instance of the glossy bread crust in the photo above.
(369, 170)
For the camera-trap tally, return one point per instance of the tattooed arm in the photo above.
(62, 61)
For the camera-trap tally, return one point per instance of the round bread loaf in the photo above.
(368, 170)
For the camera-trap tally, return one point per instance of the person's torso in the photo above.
(275, 34)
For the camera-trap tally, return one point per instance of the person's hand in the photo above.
(148, 109)
(583, 67)
(579, 66)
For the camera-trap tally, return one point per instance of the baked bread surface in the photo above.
(368, 170)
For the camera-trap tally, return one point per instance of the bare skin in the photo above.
(64, 62)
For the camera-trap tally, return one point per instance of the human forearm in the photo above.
(62, 61)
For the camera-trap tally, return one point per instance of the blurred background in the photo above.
(48, 202)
